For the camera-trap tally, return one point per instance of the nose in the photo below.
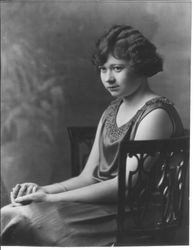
(109, 78)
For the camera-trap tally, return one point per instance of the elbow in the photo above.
(87, 178)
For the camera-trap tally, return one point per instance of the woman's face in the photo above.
(118, 77)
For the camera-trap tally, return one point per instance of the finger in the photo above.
(11, 197)
(29, 190)
(22, 190)
(25, 198)
(14, 204)
(35, 188)
(32, 189)
(15, 190)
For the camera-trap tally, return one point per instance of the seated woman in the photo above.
(82, 211)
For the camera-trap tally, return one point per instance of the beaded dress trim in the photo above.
(114, 132)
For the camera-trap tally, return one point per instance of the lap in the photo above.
(63, 224)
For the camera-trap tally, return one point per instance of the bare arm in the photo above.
(86, 176)
(156, 125)
(101, 192)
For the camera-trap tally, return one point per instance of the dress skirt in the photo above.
(59, 224)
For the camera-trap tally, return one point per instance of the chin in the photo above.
(115, 94)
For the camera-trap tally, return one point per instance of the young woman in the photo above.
(81, 211)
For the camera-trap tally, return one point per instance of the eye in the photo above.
(102, 69)
(118, 68)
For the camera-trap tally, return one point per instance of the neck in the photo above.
(140, 94)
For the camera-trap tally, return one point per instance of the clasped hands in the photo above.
(26, 193)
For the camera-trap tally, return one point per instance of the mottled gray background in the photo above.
(48, 82)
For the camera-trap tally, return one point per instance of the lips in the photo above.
(113, 88)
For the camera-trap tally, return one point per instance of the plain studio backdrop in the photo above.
(49, 83)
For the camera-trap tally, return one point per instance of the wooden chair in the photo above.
(81, 140)
(150, 211)
(151, 206)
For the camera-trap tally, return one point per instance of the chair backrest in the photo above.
(155, 199)
(81, 140)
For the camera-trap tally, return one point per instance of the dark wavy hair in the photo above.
(127, 43)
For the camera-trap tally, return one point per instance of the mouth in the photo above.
(113, 88)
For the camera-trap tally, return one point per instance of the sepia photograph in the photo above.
(95, 123)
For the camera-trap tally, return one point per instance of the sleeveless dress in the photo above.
(76, 223)
(111, 135)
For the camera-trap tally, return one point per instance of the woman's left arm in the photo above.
(155, 126)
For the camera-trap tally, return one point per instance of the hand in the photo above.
(38, 196)
(24, 189)
(13, 203)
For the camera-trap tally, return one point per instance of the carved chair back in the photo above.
(151, 201)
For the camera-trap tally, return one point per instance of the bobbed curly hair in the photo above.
(127, 43)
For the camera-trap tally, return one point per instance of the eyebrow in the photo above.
(114, 64)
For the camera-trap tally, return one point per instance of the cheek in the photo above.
(130, 79)
(102, 78)
(123, 79)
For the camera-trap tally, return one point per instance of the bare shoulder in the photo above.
(156, 125)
